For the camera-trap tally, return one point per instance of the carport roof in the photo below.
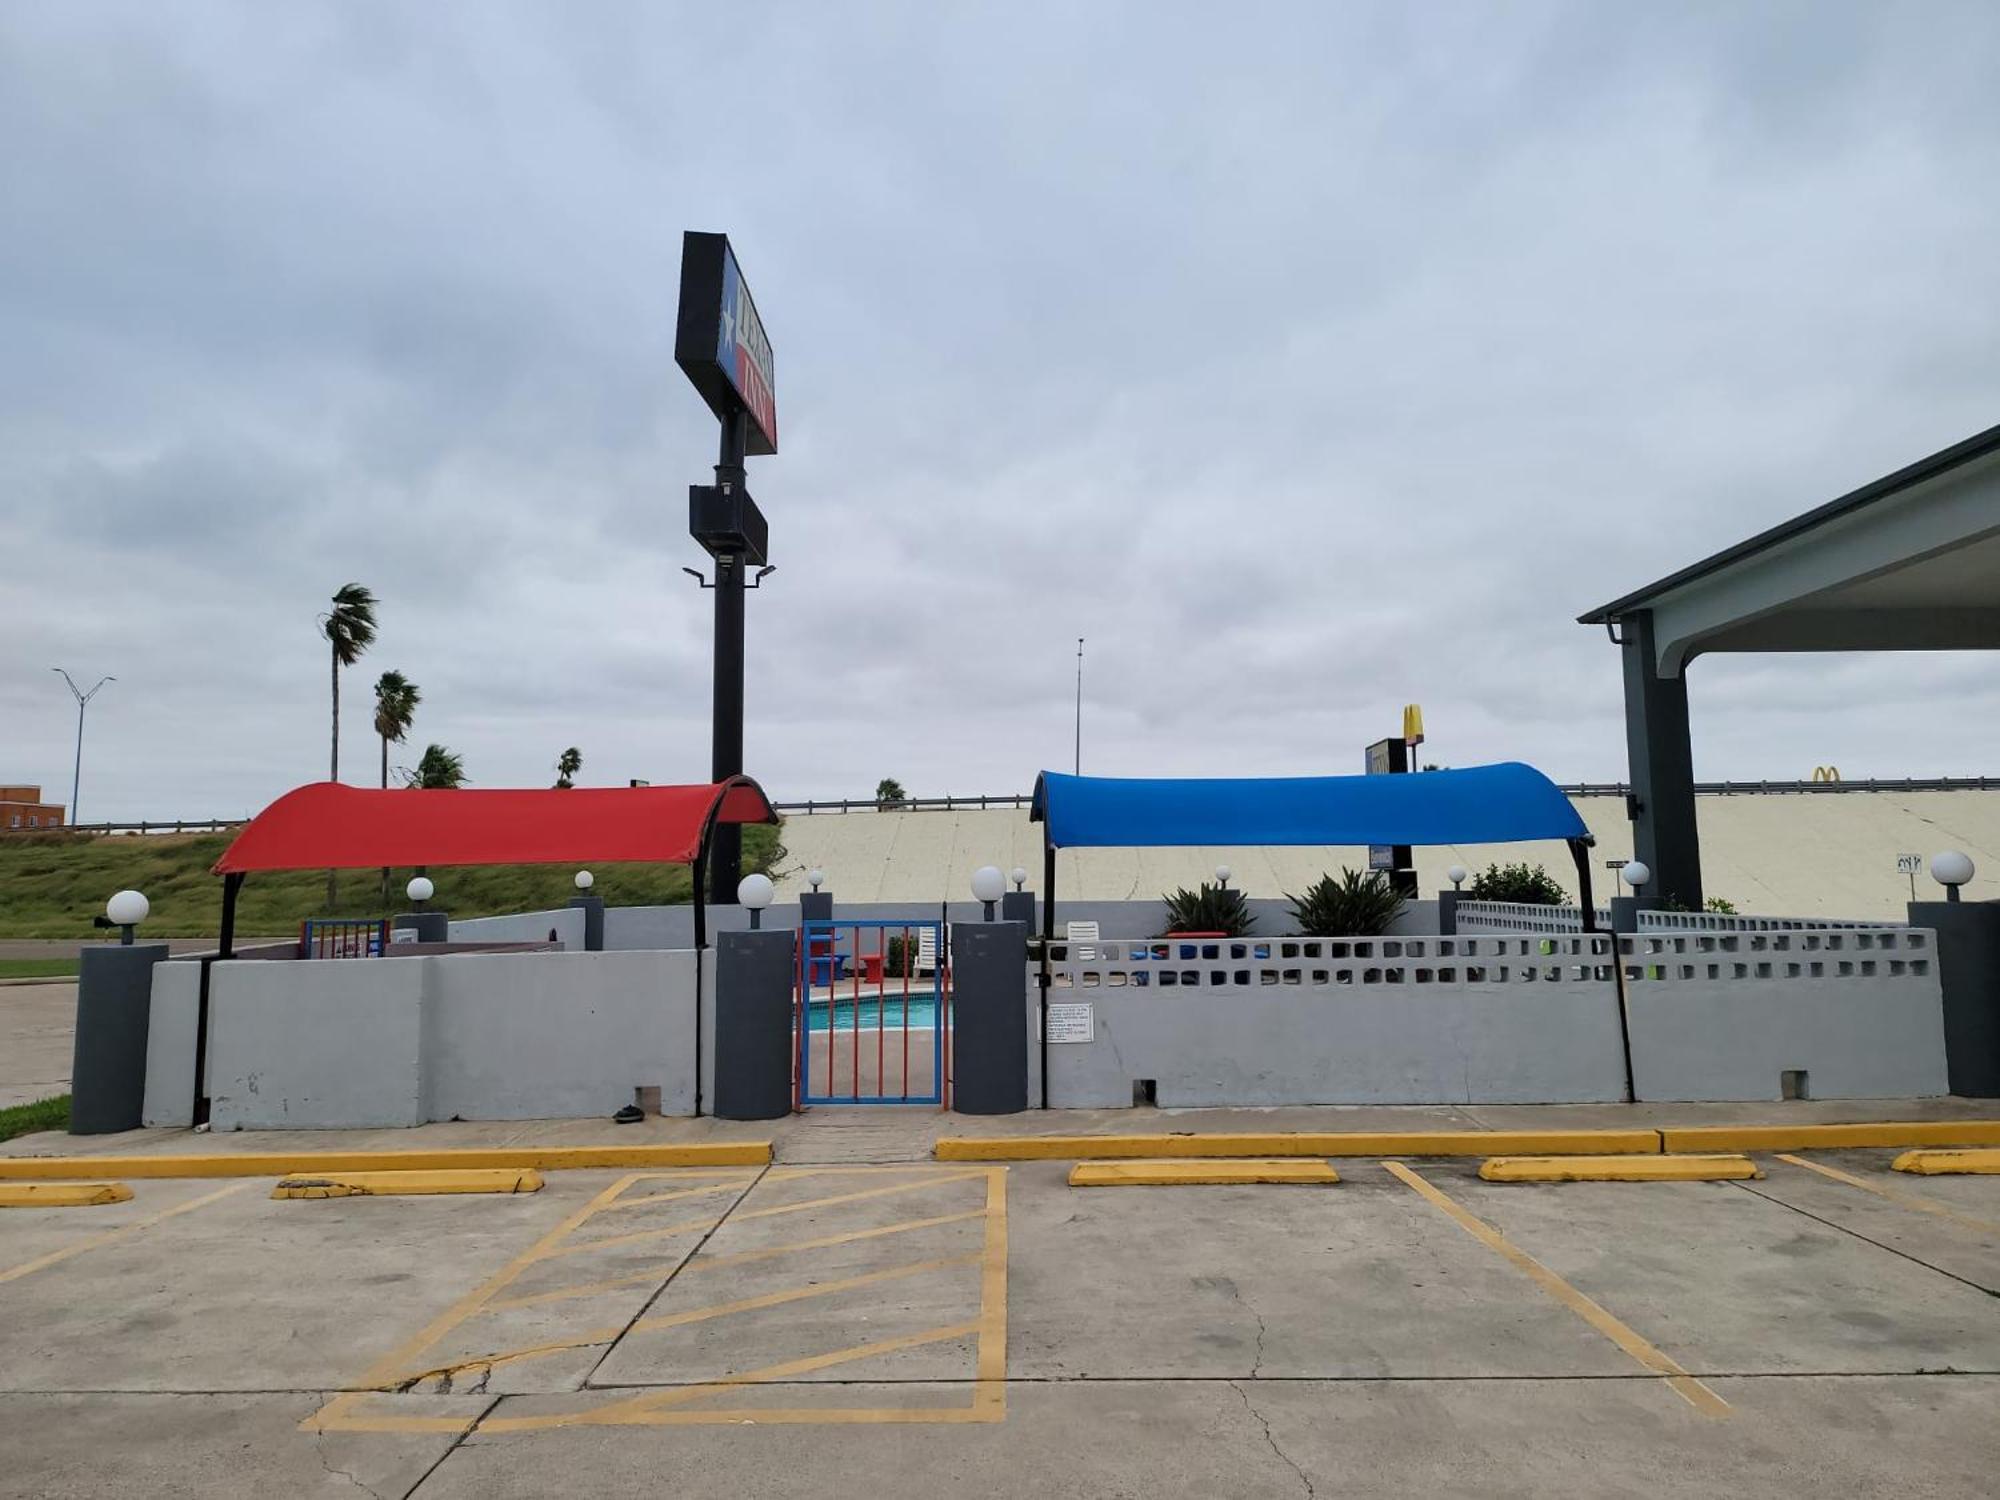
(1978, 446)
(328, 826)
(1496, 804)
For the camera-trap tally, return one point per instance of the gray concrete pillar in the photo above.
(114, 1009)
(592, 908)
(1664, 836)
(1968, 960)
(1018, 906)
(753, 1024)
(1448, 911)
(989, 1042)
(424, 927)
(815, 906)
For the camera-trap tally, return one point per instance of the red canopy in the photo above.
(329, 826)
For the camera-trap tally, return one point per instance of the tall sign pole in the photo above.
(720, 345)
(1079, 705)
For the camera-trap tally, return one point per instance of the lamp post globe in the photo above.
(988, 885)
(585, 880)
(815, 877)
(1951, 869)
(420, 889)
(1019, 876)
(1222, 874)
(1634, 873)
(1456, 875)
(127, 909)
(755, 892)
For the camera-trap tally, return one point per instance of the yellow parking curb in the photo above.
(62, 1194)
(278, 1164)
(1832, 1137)
(1321, 1144)
(400, 1184)
(1292, 1171)
(1617, 1168)
(1947, 1163)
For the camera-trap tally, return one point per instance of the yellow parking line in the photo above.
(713, 1187)
(801, 1293)
(15, 1273)
(881, 1192)
(642, 1409)
(1691, 1390)
(1904, 1200)
(638, 1236)
(712, 1261)
(989, 1394)
(581, 1289)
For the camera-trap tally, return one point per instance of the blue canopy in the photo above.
(1478, 805)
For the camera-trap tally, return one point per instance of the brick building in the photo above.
(23, 807)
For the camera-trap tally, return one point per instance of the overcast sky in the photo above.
(1308, 360)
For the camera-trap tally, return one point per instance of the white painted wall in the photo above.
(176, 1013)
(316, 1044)
(528, 1036)
(524, 927)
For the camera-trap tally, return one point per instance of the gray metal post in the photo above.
(1664, 835)
(1968, 960)
(989, 1043)
(753, 1024)
(114, 1012)
(592, 908)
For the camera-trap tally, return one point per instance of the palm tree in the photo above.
(438, 769)
(567, 765)
(350, 628)
(396, 700)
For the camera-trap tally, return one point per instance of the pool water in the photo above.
(842, 1017)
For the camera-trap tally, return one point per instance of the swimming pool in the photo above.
(843, 1013)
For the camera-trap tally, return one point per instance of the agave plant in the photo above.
(1209, 908)
(1357, 904)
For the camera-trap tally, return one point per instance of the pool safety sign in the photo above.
(720, 341)
(1072, 1021)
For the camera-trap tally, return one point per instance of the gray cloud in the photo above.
(1307, 364)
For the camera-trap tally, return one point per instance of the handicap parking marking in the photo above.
(370, 1404)
(1648, 1355)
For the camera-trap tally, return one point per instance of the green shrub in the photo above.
(1358, 904)
(1721, 904)
(1531, 885)
(1211, 908)
(902, 958)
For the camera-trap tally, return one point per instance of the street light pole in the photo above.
(1079, 705)
(82, 702)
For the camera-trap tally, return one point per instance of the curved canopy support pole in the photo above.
(225, 948)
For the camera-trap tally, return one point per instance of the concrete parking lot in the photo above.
(897, 1327)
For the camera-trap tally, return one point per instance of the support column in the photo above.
(1968, 962)
(1664, 835)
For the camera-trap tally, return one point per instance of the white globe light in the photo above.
(1455, 874)
(1019, 877)
(420, 889)
(755, 891)
(585, 880)
(988, 884)
(1222, 874)
(1634, 873)
(1949, 868)
(127, 908)
(815, 876)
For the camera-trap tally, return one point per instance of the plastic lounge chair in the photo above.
(1082, 932)
(927, 960)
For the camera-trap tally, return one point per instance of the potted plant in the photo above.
(1357, 904)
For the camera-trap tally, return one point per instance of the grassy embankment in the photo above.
(51, 885)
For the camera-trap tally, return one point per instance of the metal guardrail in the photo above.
(983, 800)
(179, 825)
